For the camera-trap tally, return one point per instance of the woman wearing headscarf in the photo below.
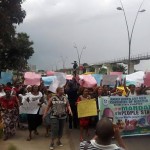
(9, 111)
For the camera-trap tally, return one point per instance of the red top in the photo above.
(8, 103)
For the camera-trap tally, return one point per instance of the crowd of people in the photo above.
(60, 106)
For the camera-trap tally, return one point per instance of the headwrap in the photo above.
(7, 89)
(28, 86)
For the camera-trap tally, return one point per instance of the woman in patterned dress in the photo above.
(9, 112)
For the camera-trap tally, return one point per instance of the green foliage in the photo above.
(20, 51)
(11, 13)
(118, 68)
(85, 65)
(103, 71)
(12, 45)
(91, 69)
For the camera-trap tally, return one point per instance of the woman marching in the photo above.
(84, 122)
(9, 107)
(59, 105)
(34, 120)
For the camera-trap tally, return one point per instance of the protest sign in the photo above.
(87, 81)
(131, 114)
(147, 79)
(48, 80)
(98, 78)
(119, 75)
(135, 78)
(54, 85)
(61, 77)
(50, 73)
(31, 78)
(69, 77)
(30, 107)
(109, 80)
(87, 108)
(58, 81)
(6, 77)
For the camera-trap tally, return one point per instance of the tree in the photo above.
(11, 13)
(21, 50)
(118, 68)
(91, 68)
(103, 71)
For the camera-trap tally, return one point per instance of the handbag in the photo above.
(47, 119)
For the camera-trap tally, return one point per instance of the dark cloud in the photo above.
(56, 25)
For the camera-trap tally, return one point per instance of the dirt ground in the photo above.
(39, 142)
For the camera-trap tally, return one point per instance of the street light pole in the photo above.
(130, 35)
(64, 61)
(79, 54)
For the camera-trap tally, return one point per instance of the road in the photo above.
(133, 143)
(39, 142)
(70, 141)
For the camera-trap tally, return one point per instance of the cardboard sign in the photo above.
(31, 78)
(87, 108)
(87, 81)
(6, 77)
(98, 78)
(147, 79)
(48, 80)
(118, 74)
(109, 80)
(135, 78)
(58, 81)
(50, 73)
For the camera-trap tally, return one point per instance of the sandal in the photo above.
(29, 139)
(81, 138)
(5, 138)
(36, 133)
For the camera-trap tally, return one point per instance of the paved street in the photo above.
(70, 141)
(39, 142)
(133, 143)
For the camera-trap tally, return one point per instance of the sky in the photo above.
(94, 26)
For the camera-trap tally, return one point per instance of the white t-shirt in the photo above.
(2, 93)
(36, 98)
(23, 97)
(93, 145)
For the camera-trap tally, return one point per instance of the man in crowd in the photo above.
(105, 131)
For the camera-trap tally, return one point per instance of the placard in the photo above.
(87, 108)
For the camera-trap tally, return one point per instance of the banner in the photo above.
(30, 107)
(87, 108)
(131, 114)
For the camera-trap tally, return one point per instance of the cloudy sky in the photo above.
(55, 26)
